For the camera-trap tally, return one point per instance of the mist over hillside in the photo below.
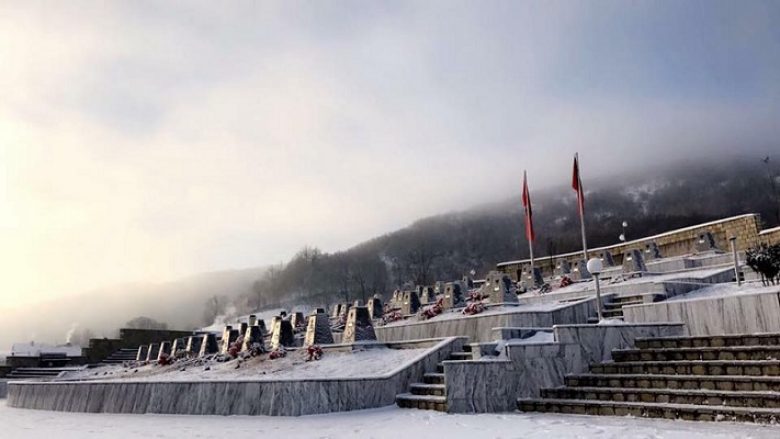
(441, 247)
(448, 246)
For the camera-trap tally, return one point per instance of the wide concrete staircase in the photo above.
(431, 393)
(735, 378)
(121, 356)
(38, 373)
(613, 309)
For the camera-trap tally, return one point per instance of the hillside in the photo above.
(447, 246)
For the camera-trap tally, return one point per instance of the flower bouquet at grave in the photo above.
(473, 308)
(313, 353)
(392, 316)
(433, 310)
(279, 352)
(235, 348)
(565, 282)
(164, 359)
(476, 296)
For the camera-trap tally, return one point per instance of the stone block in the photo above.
(165, 349)
(208, 345)
(375, 308)
(454, 295)
(282, 333)
(253, 336)
(229, 338)
(359, 326)
(410, 303)
(193, 344)
(499, 288)
(143, 352)
(153, 352)
(318, 330)
(634, 262)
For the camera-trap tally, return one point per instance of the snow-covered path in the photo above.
(389, 422)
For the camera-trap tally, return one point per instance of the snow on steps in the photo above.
(734, 377)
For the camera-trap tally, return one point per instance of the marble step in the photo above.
(764, 339)
(688, 412)
(612, 313)
(704, 382)
(620, 305)
(427, 389)
(423, 402)
(717, 367)
(671, 396)
(433, 378)
(461, 356)
(720, 353)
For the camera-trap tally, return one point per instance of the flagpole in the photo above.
(528, 233)
(582, 210)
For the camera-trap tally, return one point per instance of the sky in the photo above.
(151, 140)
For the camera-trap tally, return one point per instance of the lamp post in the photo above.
(624, 236)
(733, 241)
(594, 267)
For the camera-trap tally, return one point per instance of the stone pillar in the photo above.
(193, 344)
(178, 345)
(499, 287)
(242, 328)
(652, 252)
(438, 287)
(410, 303)
(165, 349)
(607, 259)
(318, 329)
(232, 336)
(153, 352)
(143, 352)
(359, 327)
(297, 320)
(375, 308)
(468, 282)
(706, 242)
(633, 262)
(563, 268)
(582, 270)
(253, 335)
(252, 320)
(282, 333)
(208, 345)
(335, 311)
(261, 324)
(453, 295)
(428, 296)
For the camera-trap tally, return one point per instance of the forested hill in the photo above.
(447, 246)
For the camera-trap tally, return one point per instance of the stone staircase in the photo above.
(38, 373)
(714, 378)
(121, 356)
(431, 393)
(614, 308)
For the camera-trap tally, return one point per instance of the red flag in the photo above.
(529, 221)
(576, 184)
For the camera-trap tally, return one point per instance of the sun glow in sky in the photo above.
(149, 140)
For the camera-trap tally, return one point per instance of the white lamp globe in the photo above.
(595, 266)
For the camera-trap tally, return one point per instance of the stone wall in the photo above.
(479, 328)
(494, 386)
(737, 314)
(274, 398)
(673, 243)
(3, 389)
(770, 236)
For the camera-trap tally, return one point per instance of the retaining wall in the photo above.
(736, 314)
(494, 385)
(479, 328)
(274, 398)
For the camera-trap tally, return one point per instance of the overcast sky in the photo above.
(149, 140)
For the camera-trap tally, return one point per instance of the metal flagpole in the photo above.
(527, 205)
(580, 205)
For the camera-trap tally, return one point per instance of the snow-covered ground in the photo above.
(724, 290)
(457, 313)
(333, 364)
(389, 422)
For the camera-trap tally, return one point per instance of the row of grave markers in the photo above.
(317, 326)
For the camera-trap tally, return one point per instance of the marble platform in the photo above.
(283, 397)
(480, 386)
(736, 314)
(479, 328)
